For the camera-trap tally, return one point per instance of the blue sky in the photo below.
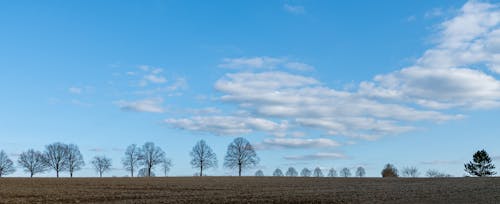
(309, 83)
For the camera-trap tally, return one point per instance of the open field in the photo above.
(249, 190)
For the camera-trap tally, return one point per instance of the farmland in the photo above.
(249, 190)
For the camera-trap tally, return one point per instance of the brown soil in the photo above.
(249, 190)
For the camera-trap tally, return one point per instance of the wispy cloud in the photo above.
(294, 9)
(296, 143)
(317, 156)
(441, 162)
(264, 63)
(75, 90)
(435, 12)
(81, 103)
(155, 79)
(152, 105)
(97, 149)
(150, 75)
(228, 125)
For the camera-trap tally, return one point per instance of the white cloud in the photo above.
(204, 111)
(435, 12)
(151, 75)
(297, 143)
(155, 79)
(458, 71)
(304, 101)
(75, 90)
(180, 83)
(294, 9)
(264, 63)
(298, 66)
(228, 125)
(448, 75)
(317, 156)
(153, 105)
(144, 67)
(81, 103)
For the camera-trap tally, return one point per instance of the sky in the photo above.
(327, 84)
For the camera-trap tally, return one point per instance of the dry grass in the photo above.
(249, 190)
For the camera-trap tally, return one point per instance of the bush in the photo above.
(389, 171)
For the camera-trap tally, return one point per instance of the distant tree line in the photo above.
(317, 172)
(138, 160)
(142, 160)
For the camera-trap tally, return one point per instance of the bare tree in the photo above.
(332, 173)
(240, 154)
(277, 172)
(132, 157)
(360, 172)
(166, 165)
(390, 171)
(101, 164)
(305, 172)
(144, 173)
(151, 156)
(32, 162)
(292, 172)
(436, 174)
(345, 172)
(75, 159)
(410, 172)
(259, 173)
(6, 165)
(56, 157)
(317, 172)
(203, 156)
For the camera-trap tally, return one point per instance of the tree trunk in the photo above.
(31, 175)
(201, 170)
(57, 173)
(132, 172)
(239, 170)
(71, 174)
(100, 174)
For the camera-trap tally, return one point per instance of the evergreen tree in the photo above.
(481, 165)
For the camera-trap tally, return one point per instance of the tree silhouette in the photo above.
(436, 174)
(144, 173)
(481, 165)
(132, 158)
(166, 165)
(101, 164)
(74, 159)
(32, 162)
(292, 172)
(317, 172)
(277, 172)
(151, 156)
(6, 165)
(203, 157)
(240, 155)
(410, 172)
(305, 172)
(259, 173)
(56, 157)
(389, 171)
(332, 173)
(360, 172)
(345, 172)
